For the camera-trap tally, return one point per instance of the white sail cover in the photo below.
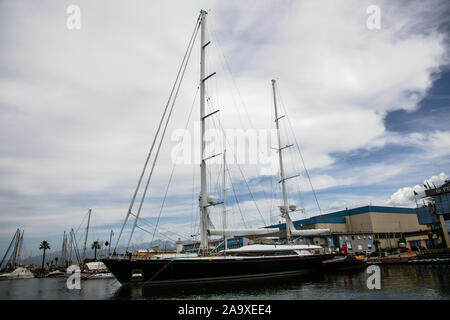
(310, 232)
(241, 232)
(274, 247)
(306, 232)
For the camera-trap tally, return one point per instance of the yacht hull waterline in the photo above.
(161, 271)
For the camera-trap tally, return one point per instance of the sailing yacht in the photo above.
(250, 261)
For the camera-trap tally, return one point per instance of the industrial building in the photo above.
(435, 214)
(365, 229)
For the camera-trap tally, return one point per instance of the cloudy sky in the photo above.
(369, 108)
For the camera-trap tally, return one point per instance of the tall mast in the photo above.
(16, 248)
(20, 248)
(224, 217)
(203, 193)
(63, 249)
(86, 237)
(284, 208)
(70, 248)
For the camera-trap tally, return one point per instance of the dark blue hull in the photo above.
(194, 270)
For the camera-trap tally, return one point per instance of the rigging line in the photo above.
(213, 33)
(165, 266)
(299, 151)
(149, 224)
(242, 174)
(85, 215)
(240, 169)
(191, 41)
(175, 164)
(216, 41)
(299, 184)
(162, 138)
(237, 201)
(10, 245)
(271, 199)
(161, 234)
(192, 203)
(217, 184)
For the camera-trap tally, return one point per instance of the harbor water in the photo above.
(402, 282)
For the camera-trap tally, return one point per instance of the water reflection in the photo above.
(250, 289)
(397, 282)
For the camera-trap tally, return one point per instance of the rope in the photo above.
(7, 251)
(148, 223)
(164, 132)
(160, 270)
(174, 166)
(242, 174)
(299, 151)
(157, 133)
(244, 106)
(237, 201)
(161, 234)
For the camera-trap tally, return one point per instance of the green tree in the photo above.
(44, 246)
(95, 246)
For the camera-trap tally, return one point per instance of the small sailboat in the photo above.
(55, 273)
(249, 261)
(14, 252)
(19, 273)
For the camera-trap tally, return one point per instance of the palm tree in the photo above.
(95, 246)
(44, 246)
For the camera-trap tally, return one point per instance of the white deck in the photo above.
(263, 249)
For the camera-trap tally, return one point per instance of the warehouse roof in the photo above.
(339, 216)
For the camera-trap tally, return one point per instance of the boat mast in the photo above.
(224, 217)
(20, 248)
(284, 208)
(16, 248)
(70, 247)
(63, 249)
(203, 195)
(86, 237)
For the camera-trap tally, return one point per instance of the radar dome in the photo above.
(211, 199)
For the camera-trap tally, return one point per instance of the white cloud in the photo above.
(405, 196)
